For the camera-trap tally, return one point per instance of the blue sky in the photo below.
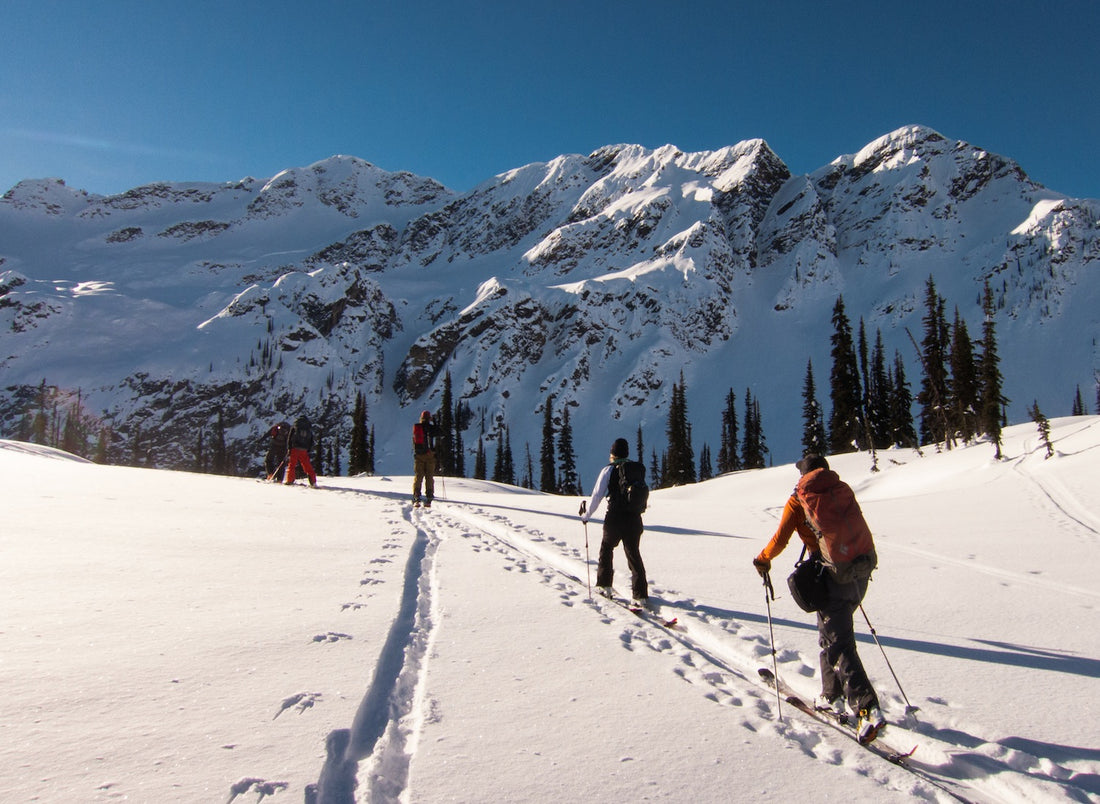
(112, 94)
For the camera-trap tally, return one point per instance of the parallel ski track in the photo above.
(1054, 493)
(377, 751)
(708, 643)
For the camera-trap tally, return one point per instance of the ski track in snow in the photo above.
(1005, 575)
(720, 655)
(375, 753)
(711, 648)
(1054, 493)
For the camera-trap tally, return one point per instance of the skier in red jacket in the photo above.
(424, 434)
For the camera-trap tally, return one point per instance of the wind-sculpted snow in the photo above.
(598, 279)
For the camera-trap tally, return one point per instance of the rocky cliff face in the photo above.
(598, 280)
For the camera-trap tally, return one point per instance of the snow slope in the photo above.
(178, 637)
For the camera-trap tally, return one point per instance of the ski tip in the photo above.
(765, 673)
(670, 623)
(899, 757)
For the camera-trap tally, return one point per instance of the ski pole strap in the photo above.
(768, 588)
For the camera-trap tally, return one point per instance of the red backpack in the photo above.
(835, 517)
(420, 439)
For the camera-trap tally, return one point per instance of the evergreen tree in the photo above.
(568, 482)
(761, 439)
(74, 436)
(1078, 408)
(706, 471)
(529, 473)
(548, 480)
(752, 453)
(498, 462)
(370, 452)
(100, 456)
(70, 435)
(1044, 428)
(445, 430)
(846, 430)
(879, 395)
(680, 466)
(39, 427)
(357, 449)
(902, 431)
(218, 463)
(460, 450)
(729, 459)
(479, 459)
(40, 424)
(992, 397)
(639, 447)
(509, 464)
(863, 351)
(813, 418)
(963, 399)
(933, 395)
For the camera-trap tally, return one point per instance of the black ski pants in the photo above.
(842, 671)
(626, 528)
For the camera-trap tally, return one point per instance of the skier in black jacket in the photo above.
(619, 525)
(275, 460)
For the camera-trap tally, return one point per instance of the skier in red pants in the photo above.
(300, 443)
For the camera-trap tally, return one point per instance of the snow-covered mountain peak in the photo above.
(51, 196)
(899, 147)
(598, 278)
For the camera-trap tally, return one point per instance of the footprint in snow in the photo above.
(253, 785)
(331, 636)
(302, 701)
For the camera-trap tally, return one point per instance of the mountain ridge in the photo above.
(597, 279)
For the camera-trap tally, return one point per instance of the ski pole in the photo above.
(769, 589)
(587, 560)
(277, 468)
(909, 708)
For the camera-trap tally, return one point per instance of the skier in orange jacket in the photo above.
(824, 512)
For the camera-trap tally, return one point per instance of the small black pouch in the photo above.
(807, 582)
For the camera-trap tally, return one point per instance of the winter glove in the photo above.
(763, 566)
(584, 511)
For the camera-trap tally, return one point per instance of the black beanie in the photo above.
(810, 462)
(620, 449)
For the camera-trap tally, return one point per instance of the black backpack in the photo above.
(302, 435)
(633, 492)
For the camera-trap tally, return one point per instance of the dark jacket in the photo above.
(301, 434)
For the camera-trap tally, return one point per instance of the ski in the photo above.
(643, 613)
(877, 747)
